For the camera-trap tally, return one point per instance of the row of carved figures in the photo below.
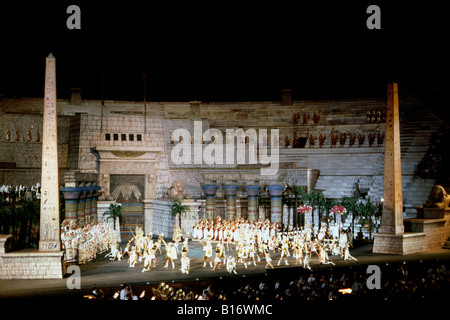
(375, 116)
(18, 135)
(305, 118)
(337, 137)
(372, 116)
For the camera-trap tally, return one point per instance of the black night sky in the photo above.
(233, 50)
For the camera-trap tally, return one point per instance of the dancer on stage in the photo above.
(219, 254)
(231, 264)
(208, 252)
(127, 248)
(242, 253)
(284, 251)
(323, 258)
(297, 253)
(185, 261)
(147, 261)
(115, 252)
(252, 249)
(171, 253)
(347, 255)
(133, 257)
(268, 259)
(306, 262)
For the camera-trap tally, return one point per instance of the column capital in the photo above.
(231, 189)
(252, 190)
(276, 190)
(210, 189)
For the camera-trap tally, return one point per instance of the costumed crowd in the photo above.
(230, 243)
(82, 244)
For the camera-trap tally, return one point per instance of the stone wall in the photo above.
(403, 244)
(436, 225)
(87, 125)
(32, 265)
(29, 264)
(25, 151)
(163, 221)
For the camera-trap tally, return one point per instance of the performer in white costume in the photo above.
(218, 256)
(284, 251)
(347, 255)
(231, 264)
(268, 259)
(323, 259)
(185, 261)
(208, 252)
(171, 253)
(133, 257)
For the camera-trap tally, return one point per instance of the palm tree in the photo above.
(114, 212)
(296, 190)
(322, 204)
(178, 209)
(371, 209)
(5, 217)
(328, 203)
(31, 209)
(313, 198)
(351, 204)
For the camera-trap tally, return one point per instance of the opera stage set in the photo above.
(207, 165)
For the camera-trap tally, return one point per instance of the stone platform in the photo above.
(402, 243)
(30, 264)
(429, 233)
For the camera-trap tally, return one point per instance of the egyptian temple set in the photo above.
(126, 152)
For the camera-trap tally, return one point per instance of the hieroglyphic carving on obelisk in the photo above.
(49, 224)
(392, 219)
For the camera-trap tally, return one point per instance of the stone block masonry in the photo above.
(32, 264)
(405, 243)
(29, 264)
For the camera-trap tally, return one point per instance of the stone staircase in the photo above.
(415, 194)
(338, 175)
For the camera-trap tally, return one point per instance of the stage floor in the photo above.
(106, 273)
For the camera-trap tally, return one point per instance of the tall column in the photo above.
(94, 199)
(275, 203)
(49, 219)
(71, 195)
(230, 194)
(81, 205)
(252, 201)
(87, 205)
(392, 217)
(210, 192)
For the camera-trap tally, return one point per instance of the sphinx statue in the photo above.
(176, 191)
(438, 198)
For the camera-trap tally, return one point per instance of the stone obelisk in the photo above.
(393, 239)
(49, 224)
(392, 218)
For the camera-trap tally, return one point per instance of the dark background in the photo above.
(233, 50)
